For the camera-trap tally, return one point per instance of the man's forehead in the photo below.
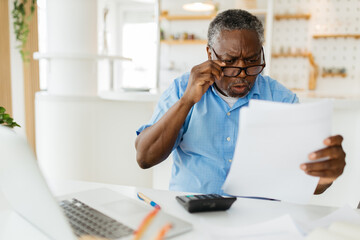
(243, 42)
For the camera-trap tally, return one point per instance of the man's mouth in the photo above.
(239, 87)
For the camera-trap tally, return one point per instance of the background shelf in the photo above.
(334, 75)
(278, 55)
(292, 16)
(180, 42)
(316, 36)
(187, 17)
(205, 17)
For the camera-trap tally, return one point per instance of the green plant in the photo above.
(21, 24)
(6, 120)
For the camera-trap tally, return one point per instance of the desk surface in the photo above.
(243, 212)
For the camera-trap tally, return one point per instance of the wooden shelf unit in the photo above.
(187, 17)
(343, 75)
(205, 17)
(292, 16)
(279, 55)
(182, 42)
(317, 36)
(314, 72)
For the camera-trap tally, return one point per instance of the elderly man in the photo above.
(197, 117)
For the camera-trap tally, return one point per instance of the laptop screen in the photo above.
(25, 188)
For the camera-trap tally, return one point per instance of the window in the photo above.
(138, 36)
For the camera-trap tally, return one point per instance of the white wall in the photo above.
(78, 134)
(90, 139)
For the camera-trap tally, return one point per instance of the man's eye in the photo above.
(228, 61)
(252, 60)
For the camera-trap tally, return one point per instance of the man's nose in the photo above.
(242, 74)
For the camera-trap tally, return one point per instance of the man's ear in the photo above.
(208, 50)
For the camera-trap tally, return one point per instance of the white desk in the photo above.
(243, 212)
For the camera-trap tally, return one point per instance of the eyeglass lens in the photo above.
(234, 71)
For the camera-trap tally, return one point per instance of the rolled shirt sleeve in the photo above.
(170, 96)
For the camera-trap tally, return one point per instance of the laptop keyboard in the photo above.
(87, 221)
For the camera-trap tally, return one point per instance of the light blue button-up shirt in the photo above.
(205, 146)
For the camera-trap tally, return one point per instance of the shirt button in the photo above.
(230, 160)
(228, 139)
(228, 114)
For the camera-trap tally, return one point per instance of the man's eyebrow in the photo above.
(229, 56)
(252, 56)
(236, 57)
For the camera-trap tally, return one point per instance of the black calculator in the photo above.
(206, 202)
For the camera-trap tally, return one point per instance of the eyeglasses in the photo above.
(253, 70)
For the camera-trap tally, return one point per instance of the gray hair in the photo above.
(234, 19)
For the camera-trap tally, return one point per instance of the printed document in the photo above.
(273, 140)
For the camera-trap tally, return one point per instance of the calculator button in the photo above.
(192, 197)
(216, 196)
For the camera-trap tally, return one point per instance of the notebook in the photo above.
(106, 212)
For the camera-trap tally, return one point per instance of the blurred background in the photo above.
(91, 71)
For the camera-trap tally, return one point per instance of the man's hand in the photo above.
(202, 76)
(329, 169)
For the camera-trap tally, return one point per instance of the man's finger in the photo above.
(213, 64)
(206, 79)
(333, 140)
(319, 166)
(220, 63)
(328, 153)
(217, 73)
(210, 68)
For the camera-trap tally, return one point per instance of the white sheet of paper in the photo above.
(343, 224)
(344, 214)
(273, 140)
(282, 228)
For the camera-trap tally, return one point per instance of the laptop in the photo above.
(100, 212)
